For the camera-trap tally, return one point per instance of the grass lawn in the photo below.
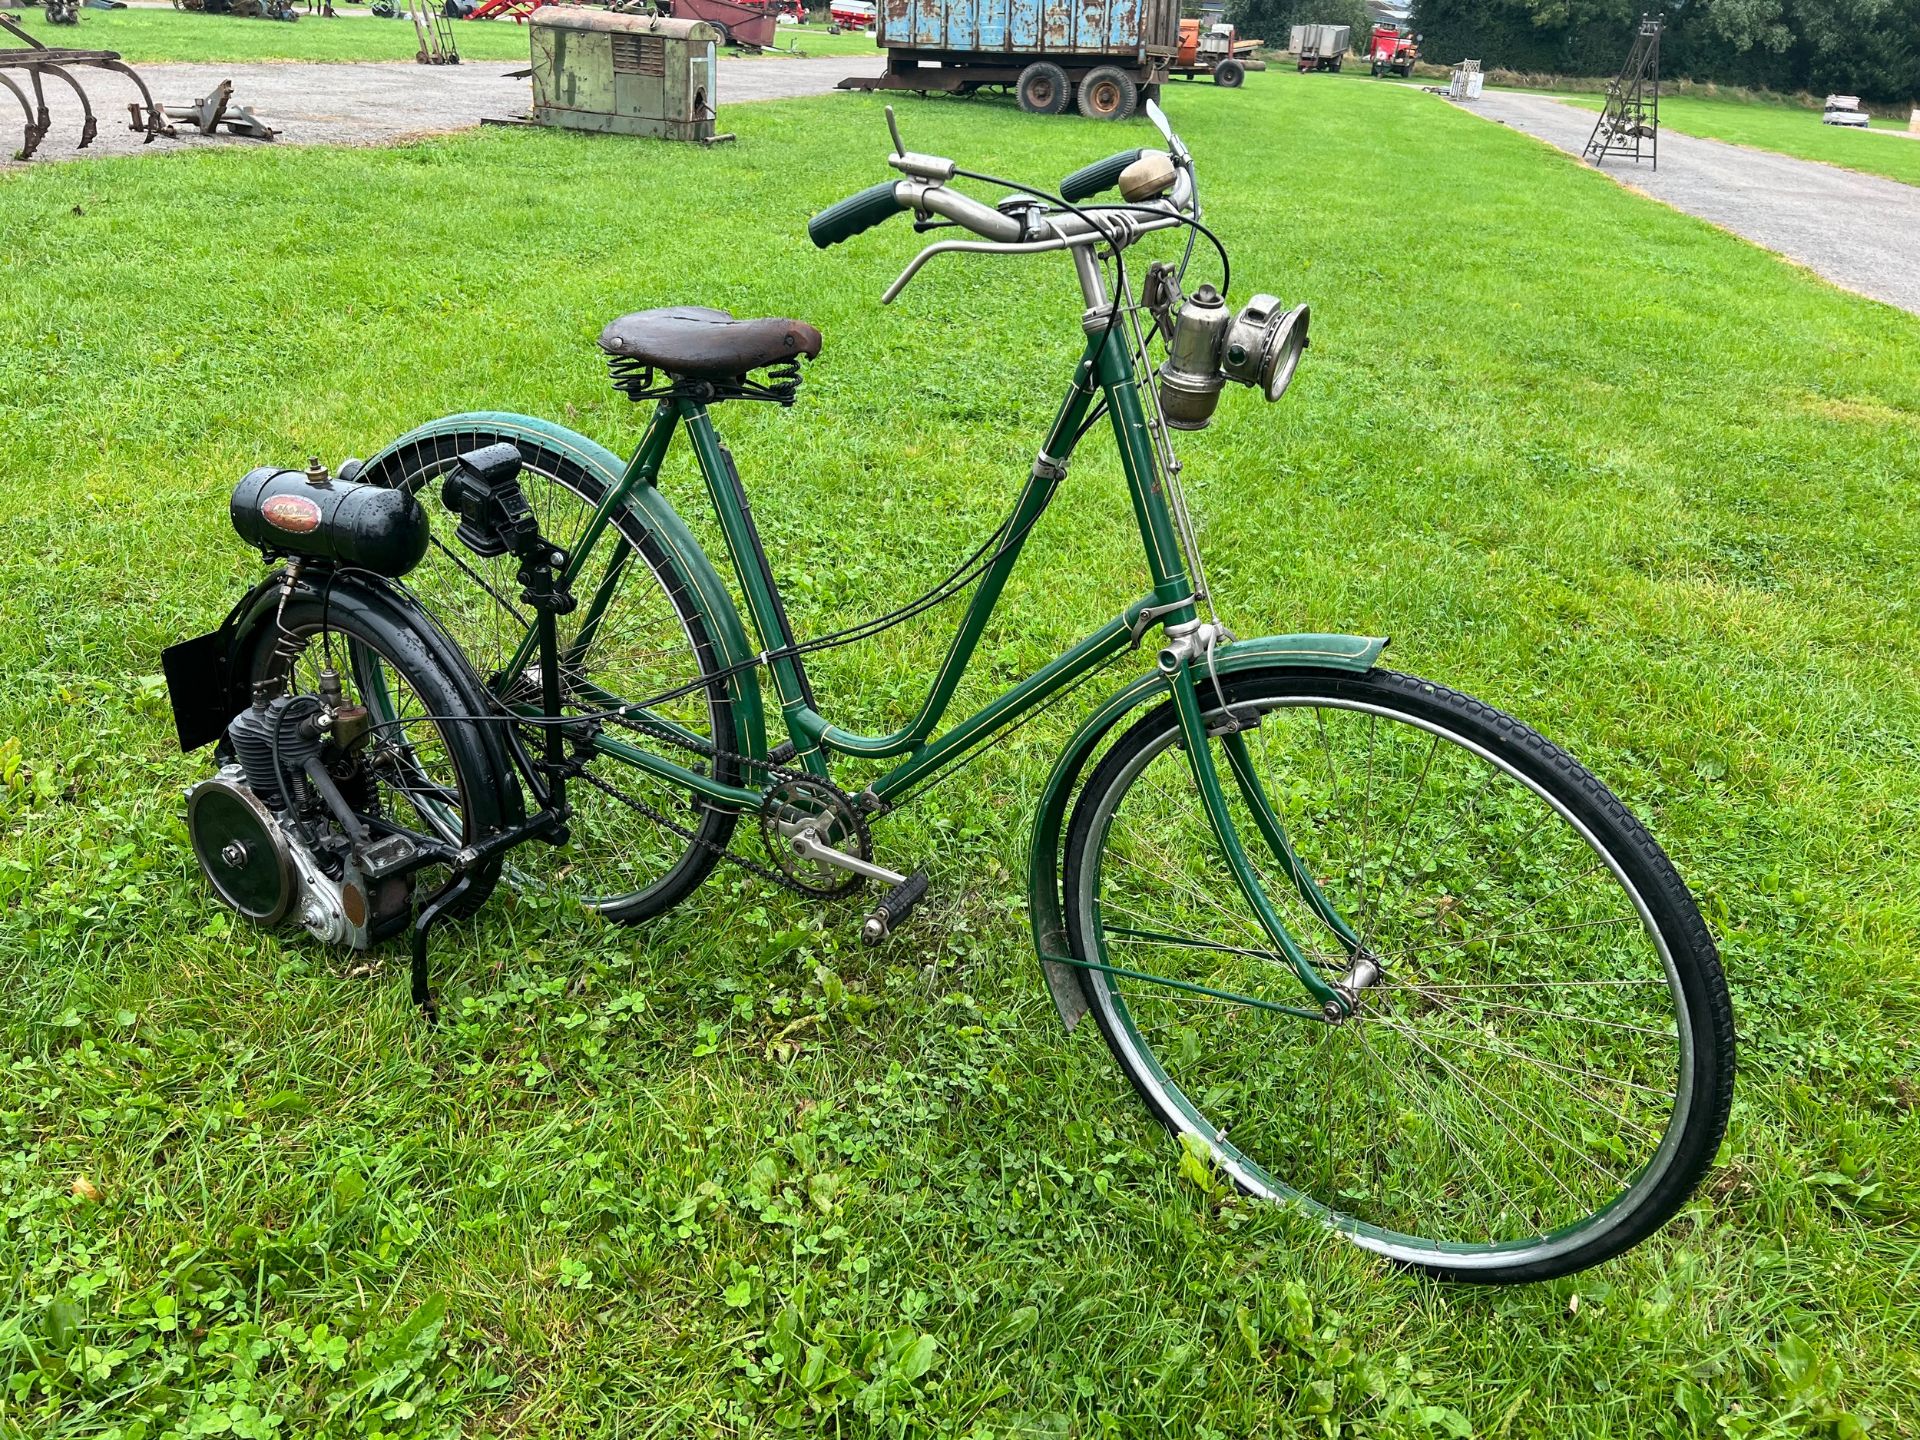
(150, 36)
(1789, 130)
(1661, 506)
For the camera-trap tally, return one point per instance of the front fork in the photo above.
(1183, 663)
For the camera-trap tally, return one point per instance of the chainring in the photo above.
(799, 799)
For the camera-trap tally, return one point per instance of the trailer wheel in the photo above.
(1042, 88)
(1230, 73)
(1107, 93)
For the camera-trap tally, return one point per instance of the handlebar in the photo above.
(1019, 226)
(876, 203)
(855, 214)
(1093, 179)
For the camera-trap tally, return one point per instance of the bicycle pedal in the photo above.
(894, 907)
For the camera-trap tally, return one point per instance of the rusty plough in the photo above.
(39, 60)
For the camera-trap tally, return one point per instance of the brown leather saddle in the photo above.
(704, 344)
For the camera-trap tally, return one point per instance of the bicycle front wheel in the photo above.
(1542, 1070)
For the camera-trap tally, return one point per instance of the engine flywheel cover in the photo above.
(241, 850)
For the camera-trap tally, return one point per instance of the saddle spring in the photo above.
(635, 379)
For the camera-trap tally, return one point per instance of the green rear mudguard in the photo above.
(655, 512)
(1045, 862)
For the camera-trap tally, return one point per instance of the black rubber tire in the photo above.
(1107, 92)
(423, 463)
(1043, 89)
(487, 785)
(1230, 74)
(1695, 958)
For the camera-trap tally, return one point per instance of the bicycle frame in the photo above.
(1106, 370)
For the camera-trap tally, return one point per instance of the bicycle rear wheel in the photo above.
(1543, 1069)
(649, 639)
(424, 768)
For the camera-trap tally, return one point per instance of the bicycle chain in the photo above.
(773, 772)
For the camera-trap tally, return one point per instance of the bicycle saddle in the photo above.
(707, 344)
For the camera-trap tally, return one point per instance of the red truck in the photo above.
(1393, 53)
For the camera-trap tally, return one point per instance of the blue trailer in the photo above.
(1103, 56)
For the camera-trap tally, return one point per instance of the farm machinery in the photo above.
(1320, 47)
(38, 61)
(515, 10)
(1392, 51)
(245, 9)
(1208, 47)
(856, 15)
(743, 24)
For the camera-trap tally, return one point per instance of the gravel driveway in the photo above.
(366, 103)
(1859, 231)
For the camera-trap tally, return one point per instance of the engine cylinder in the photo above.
(285, 512)
(256, 733)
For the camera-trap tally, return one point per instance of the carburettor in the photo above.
(1208, 345)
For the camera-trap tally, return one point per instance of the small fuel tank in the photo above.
(302, 512)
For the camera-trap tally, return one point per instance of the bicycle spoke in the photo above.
(1425, 1113)
(1554, 1070)
(1476, 1086)
(1400, 839)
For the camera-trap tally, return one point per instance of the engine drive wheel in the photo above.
(425, 768)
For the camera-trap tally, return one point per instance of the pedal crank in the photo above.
(808, 846)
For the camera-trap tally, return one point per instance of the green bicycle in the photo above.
(1384, 952)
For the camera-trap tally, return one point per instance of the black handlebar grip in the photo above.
(1101, 175)
(854, 214)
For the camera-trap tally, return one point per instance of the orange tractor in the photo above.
(1208, 48)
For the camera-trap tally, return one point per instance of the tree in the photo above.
(1865, 47)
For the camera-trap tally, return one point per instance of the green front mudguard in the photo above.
(1046, 860)
(653, 510)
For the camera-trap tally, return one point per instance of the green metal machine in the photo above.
(624, 74)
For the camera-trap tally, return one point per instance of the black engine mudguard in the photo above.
(207, 680)
(199, 676)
